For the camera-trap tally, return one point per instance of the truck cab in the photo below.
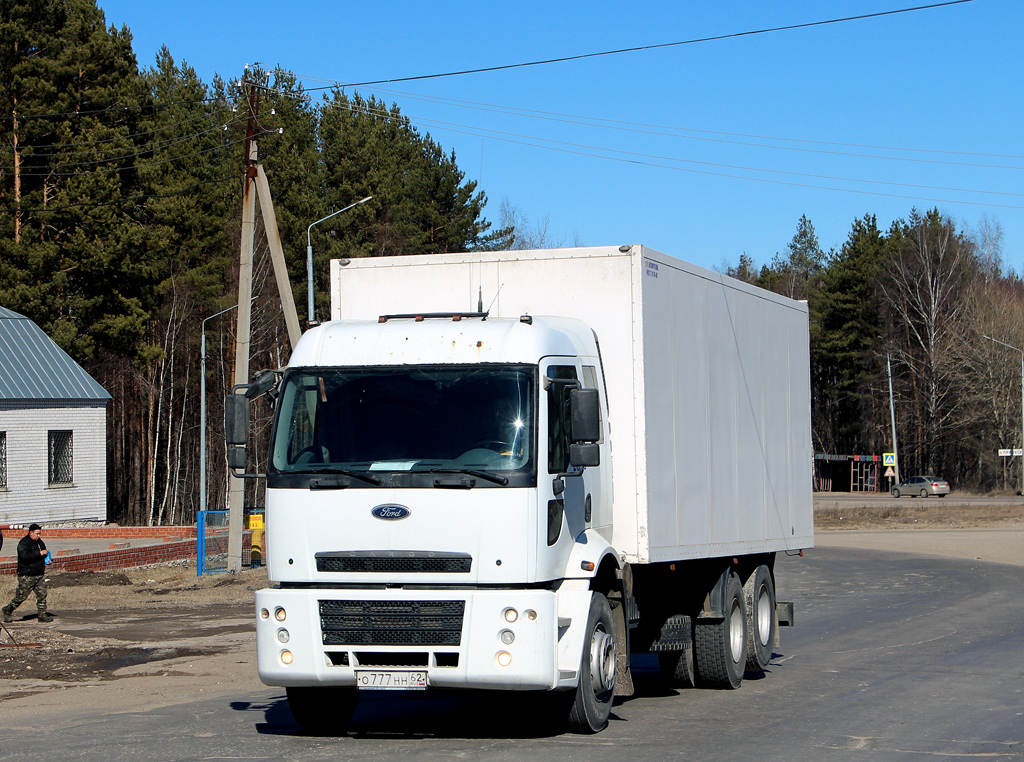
(462, 465)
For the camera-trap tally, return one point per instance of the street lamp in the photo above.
(1016, 349)
(309, 256)
(202, 410)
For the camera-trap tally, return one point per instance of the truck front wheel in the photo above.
(596, 690)
(720, 648)
(323, 710)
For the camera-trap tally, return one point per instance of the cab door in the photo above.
(564, 491)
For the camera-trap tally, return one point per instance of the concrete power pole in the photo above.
(236, 493)
(255, 185)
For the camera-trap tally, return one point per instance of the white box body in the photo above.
(708, 383)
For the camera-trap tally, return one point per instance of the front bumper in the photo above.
(323, 636)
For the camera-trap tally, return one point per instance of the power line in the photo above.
(108, 110)
(131, 136)
(600, 152)
(654, 129)
(716, 38)
(143, 197)
(147, 165)
(142, 151)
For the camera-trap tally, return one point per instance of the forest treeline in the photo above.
(120, 209)
(926, 304)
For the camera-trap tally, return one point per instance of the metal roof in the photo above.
(33, 367)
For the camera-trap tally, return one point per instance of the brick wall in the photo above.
(177, 543)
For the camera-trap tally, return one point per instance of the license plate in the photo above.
(390, 680)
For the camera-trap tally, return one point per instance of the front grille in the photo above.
(392, 623)
(450, 563)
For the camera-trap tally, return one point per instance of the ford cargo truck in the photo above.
(511, 470)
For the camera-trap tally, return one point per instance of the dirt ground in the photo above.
(145, 637)
(155, 620)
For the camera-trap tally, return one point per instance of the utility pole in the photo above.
(1017, 349)
(892, 417)
(236, 493)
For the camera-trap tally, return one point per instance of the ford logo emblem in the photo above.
(391, 512)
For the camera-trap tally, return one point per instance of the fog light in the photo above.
(264, 614)
(282, 635)
(507, 637)
(286, 657)
(504, 658)
(511, 615)
(531, 615)
(280, 614)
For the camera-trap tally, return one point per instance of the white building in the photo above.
(53, 430)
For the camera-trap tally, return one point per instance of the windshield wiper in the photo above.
(343, 472)
(486, 476)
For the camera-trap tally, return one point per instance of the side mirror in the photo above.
(262, 384)
(236, 458)
(585, 454)
(585, 411)
(236, 419)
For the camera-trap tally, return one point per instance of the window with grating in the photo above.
(61, 462)
(3, 460)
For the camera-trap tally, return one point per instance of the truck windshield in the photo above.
(413, 419)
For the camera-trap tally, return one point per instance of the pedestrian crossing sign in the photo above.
(888, 459)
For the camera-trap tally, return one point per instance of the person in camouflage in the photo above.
(32, 555)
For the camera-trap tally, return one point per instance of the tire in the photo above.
(759, 597)
(323, 710)
(720, 649)
(592, 703)
(895, 492)
(924, 493)
(677, 667)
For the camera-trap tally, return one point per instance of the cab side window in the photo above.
(558, 423)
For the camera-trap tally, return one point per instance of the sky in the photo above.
(704, 151)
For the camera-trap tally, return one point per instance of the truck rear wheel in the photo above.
(323, 710)
(759, 592)
(720, 648)
(596, 690)
(677, 667)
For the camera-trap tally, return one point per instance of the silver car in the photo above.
(922, 486)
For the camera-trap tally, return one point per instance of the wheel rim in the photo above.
(602, 661)
(736, 644)
(764, 616)
(924, 493)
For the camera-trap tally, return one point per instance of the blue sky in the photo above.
(705, 151)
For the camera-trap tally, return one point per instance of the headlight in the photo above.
(280, 614)
(282, 635)
(511, 615)
(504, 658)
(507, 637)
(286, 657)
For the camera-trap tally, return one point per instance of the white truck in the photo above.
(510, 470)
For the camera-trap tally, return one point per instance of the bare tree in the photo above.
(924, 292)
(524, 234)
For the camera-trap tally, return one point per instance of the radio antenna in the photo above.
(488, 312)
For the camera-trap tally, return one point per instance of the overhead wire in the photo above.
(115, 202)
(131, 136)
(656, 129)
(640, 158)
(640, 48)
(134, 155)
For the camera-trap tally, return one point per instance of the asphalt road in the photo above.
(893, 657)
